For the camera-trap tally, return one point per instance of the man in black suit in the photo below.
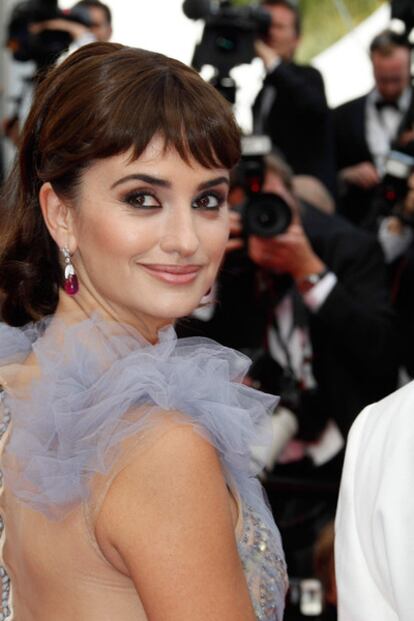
(366, 128)
(291, 107)
(317, 298)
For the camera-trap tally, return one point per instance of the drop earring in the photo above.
(71, 284)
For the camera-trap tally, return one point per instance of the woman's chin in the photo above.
(171, 312)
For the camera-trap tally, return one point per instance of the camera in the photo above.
(393, 188)
(44, 47)
(228, 37)
(264, 214)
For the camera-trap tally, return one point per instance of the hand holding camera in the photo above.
(364, 175)
(268, 54)
(288, 253)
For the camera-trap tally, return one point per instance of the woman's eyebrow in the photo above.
(146, 178)
(167, 184)
(212, 182)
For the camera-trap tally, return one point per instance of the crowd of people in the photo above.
(323, 310)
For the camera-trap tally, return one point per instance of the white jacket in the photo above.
(375, 518)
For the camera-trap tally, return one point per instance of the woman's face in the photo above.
(150, 234)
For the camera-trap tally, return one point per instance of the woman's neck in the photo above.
(73, 309)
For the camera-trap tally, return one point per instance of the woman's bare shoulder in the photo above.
(168, 514)
(172, 455)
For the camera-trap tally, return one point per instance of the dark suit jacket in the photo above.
(351, 147)
(299, 122)
(353, 334)
(350, 131)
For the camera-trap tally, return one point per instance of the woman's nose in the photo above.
(180, 234)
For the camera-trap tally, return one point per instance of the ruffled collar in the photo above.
(71, 417)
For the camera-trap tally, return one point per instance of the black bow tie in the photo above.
(381, 104)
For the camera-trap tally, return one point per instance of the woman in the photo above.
(128, 493)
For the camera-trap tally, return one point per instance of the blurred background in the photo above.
(336, 35)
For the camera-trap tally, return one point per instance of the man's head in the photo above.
(101, 17)
(278, 178)
(285, 29)
(391, 58)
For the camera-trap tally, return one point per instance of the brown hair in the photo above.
(324, 561)
(276, 163)
(103, 100)
(293, 7)
(386, 42)
(96, 4)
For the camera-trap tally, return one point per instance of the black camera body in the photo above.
(394, 187)
(228, 37)
(263, 214)
(45, 47)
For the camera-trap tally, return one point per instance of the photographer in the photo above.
(43, 41)
(368, 127)
(291, 107)
(338, 300)
(317, 296)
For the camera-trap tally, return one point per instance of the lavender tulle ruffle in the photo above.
(69, 421)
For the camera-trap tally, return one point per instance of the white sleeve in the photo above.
(316, 297)
(85, 39)
(374, 546)
(393, 244)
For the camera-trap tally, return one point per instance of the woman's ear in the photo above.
(58, 217)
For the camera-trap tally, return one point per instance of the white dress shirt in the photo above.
(382, 126)
(394, 244)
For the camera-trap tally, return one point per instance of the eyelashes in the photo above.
(140, 199)
(209, 201)
(147, 200)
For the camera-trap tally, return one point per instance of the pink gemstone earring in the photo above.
(71, 284)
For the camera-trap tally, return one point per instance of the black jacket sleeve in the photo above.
(357, 317)
(302, 86)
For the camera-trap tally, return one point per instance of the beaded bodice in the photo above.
(263, 566)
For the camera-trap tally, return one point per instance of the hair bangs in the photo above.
(191, 117)
(123, 103)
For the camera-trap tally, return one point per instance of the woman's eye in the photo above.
(142, 200)
(208, 202)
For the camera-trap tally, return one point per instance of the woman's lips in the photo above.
(174, 274)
